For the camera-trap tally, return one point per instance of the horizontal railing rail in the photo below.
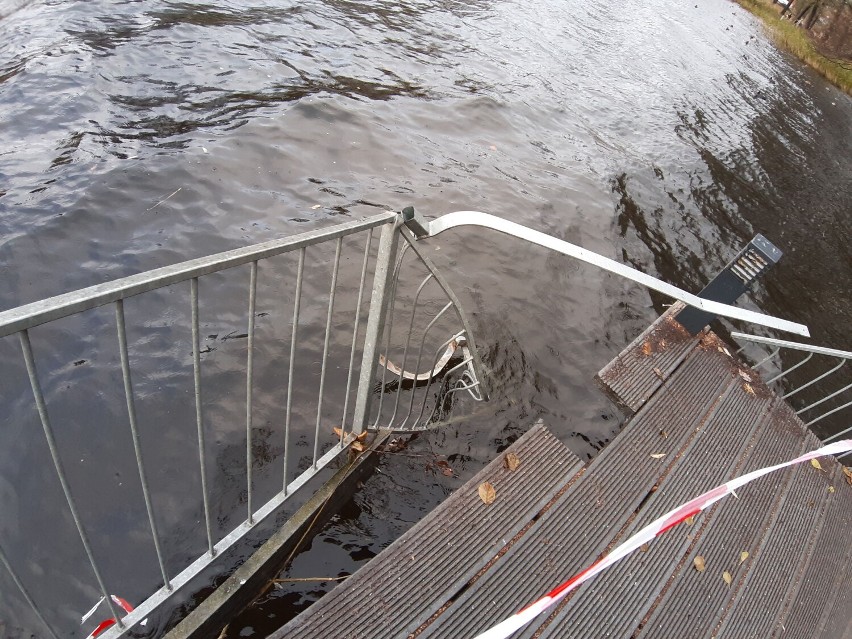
(30, 315)
(818, 381)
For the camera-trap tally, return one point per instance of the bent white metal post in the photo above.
(386, 258)
(476, 218)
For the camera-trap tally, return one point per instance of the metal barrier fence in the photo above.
(411, 351)
(814, 383)
(304, 334)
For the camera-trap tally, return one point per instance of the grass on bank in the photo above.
(797, 42)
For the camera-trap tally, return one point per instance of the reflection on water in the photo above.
(664, 134)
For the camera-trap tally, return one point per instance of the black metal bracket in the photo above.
(735, 279)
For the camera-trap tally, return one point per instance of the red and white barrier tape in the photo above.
(106, 623)
(506, 628)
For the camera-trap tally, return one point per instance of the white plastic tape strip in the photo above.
(508, 627)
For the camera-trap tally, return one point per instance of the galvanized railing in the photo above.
(814, 382)
(336, 364)
(415, 364)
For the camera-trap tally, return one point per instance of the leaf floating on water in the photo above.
(658, 455)
(316, 206)
(698, 562)
(727, 577)
(487, 493)
(511, 461)
(743, 556)
(815, 464)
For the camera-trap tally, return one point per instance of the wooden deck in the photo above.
(468, 565)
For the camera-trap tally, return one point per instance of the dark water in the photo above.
(661, 133)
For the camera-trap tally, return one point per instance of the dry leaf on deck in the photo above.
(690, 520)
(645, 547)
(743, 556)
(748, 389)
(848, 474)
(727, 577)
(511, 461)
(815, 464)
(646, 349)
(356, 445)
(831, 489)
(487, 493)
(699, 563)
(658, 455)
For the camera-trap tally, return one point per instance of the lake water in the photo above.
(134, 135)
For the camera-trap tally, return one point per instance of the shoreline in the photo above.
(797, 42)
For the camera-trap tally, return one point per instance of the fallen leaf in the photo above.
(658, 373)
(664, 434)
(511, 461)
(356, 445)
(338, 432)
(848, 474)
(748, 389)
(646, 348)
(743, 556)
(447, 472)
(699, 563)
(689, 520)
(658, 455)
(727, 577)
(745, 376)
(645, 547)
(362, 436)
(487, 493)
(831, 489)
(815, 464)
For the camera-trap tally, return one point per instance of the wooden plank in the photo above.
(409, 581)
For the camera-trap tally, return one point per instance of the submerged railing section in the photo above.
(814, 380)
(288, 337)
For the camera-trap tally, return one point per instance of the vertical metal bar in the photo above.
(325, 345)
(296, 305)
(199, 421)
(388, 246)
(355, 332)
(824, 399)
(405, 350)
(26, 594)
(389, 332)
(134, 431)
(767, 358)
(249, 380)
(27, 349)
(789, 370)
(815, 380)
